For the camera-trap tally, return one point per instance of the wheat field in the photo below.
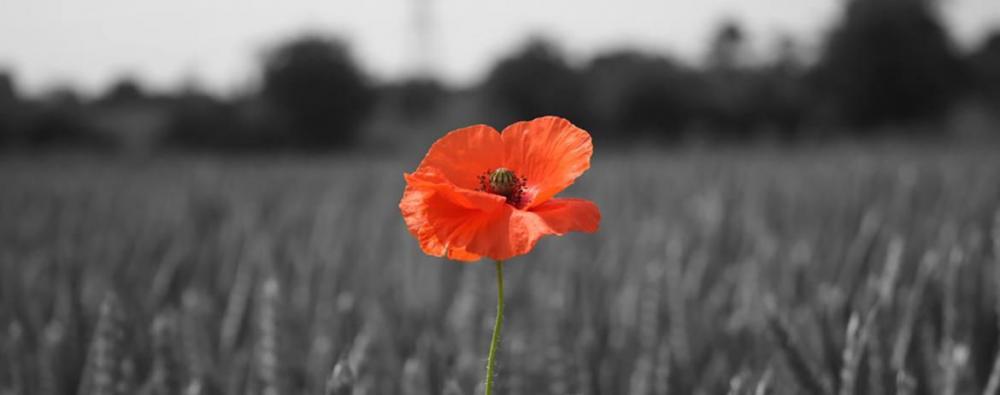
(757, 271)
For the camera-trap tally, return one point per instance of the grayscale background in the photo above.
(200, 197)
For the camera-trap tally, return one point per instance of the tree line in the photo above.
(884, 64)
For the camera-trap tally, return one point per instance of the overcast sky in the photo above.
(217, 43)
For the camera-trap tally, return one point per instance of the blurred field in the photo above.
(834, 271)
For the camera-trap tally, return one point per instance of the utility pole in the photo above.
(422, 41)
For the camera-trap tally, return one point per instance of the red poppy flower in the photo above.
(482, 193)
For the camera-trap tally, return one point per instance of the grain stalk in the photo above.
(661, 374)
(167, 374)
(50, 359)
(794, 359)
(14, 343)
(102, 373)
(451, 387)
(341, 381)
(736, 384)
(905, 384)
(414, 380)
(763, 386)
(950, 348)
(860, 330)
(993, 383)
(267, 338)
(904, 335)
(236, 307)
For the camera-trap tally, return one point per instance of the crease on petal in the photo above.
(564, 215)
(550, 152)
(507, 233)
(434, 179)
(493, 236)
(457, 227)
(553, 217)
(464, 154)
(500, 235)
(414, 207)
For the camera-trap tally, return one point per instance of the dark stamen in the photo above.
(504, 182)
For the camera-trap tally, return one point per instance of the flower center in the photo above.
(504, 182)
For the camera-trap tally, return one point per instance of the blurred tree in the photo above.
(8, 92)
(319, 91)
(128, 115)
(123, 91)
(777, 100)
(199, 120)
(888, 61)
(637, 94)
(9, 110)
(536, 81)
(727, 50)
(730, 84)
(985, 63)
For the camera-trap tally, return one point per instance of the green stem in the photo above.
(495, 343)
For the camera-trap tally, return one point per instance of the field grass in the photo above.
(835, 271)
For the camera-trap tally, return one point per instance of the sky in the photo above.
(218, 44)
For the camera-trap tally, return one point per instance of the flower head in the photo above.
(482, 193)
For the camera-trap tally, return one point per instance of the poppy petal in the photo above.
(550, 152)
(566, 215)
(508, 232)
(495, 235)
(433, 179)
(464, 154)
(414, 207)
